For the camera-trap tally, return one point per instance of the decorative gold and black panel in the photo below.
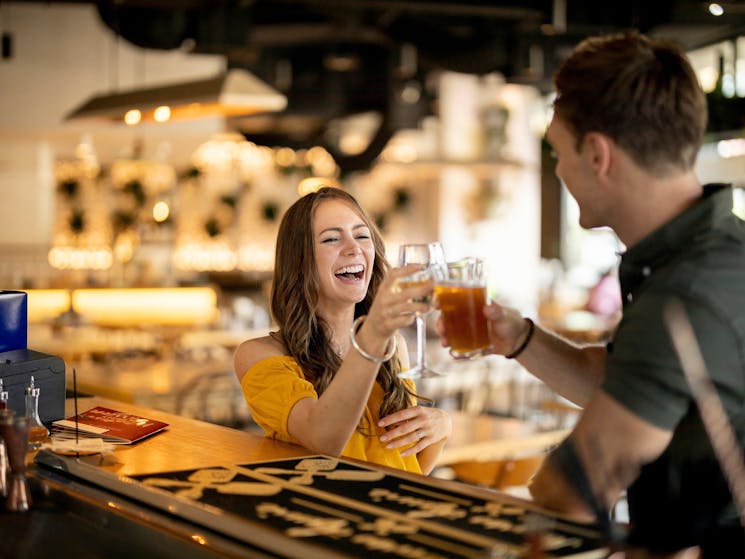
(356, 511)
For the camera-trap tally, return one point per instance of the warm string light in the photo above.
(229, 207)
(73, 258)
(155, 176)
(82, 233)
(206, 255)
(99, 217)
(236, 199)
(132, 117)
(256, 258)
(161, 211)
(313, 184)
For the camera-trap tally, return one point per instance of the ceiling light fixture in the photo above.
(233, 93)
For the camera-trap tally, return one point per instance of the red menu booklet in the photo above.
(112, 426)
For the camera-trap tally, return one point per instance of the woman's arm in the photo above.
(326, 424)
(434, 426)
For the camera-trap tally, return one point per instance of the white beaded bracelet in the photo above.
(374, 358)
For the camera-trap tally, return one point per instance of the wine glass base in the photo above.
(420, 372)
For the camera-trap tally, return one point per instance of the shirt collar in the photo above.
(638, 262)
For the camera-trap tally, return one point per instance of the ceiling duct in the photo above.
(236, 92)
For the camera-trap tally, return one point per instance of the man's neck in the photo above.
(649, 202)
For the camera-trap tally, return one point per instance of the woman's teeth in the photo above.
(350, 272)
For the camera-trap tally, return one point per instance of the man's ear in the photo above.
(599, 152)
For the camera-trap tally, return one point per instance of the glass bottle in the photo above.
(37, 433)
(4, 464)
(3, 396)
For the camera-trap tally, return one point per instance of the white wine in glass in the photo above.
(429, 255)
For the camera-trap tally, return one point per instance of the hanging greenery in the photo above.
(122, 220)
(69, 188)
(230, 200)
(381, 221)
(136, 189)
(191, 173)
(77, 221)
(212, 227)
(401, 199)
(270, 210)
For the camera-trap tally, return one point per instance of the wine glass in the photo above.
(430, 255)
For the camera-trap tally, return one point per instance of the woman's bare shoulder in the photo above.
(254, 350)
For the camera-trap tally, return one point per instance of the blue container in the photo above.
(13, 320)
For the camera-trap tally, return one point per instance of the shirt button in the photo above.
(629, 297)
(646, 271)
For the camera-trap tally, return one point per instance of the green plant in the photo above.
(270, 210)
(212, 227)
(77, 221)
(69, 188)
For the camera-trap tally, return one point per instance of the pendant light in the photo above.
(235, 92)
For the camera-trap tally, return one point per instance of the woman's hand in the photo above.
(418, 426)
(394, 307)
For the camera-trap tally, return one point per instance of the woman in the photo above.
(328, 378)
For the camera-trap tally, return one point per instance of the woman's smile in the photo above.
(351, 274)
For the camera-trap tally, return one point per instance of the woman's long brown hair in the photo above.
(294, 300)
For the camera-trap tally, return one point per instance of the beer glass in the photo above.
(431, 255)
(461, 294)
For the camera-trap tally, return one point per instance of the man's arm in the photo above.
(573, 371)
(612, 444)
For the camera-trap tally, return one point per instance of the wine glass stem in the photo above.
(421, 336)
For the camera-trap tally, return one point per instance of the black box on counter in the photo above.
(13, 320)
(16, 369)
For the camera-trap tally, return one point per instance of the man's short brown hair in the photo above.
(641, 92)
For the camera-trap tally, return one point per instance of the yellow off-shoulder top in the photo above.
(271, 388)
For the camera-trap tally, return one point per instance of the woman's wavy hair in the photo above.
(294, 299)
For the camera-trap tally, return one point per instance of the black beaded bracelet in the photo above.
(526, 341)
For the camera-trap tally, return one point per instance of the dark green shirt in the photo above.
(682, 499)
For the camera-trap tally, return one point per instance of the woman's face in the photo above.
(343, 251)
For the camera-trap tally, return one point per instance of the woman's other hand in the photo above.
(417, 426)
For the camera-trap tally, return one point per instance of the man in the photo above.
(628, 122)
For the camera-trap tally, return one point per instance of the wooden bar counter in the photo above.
(201, 490)
(186, 443)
